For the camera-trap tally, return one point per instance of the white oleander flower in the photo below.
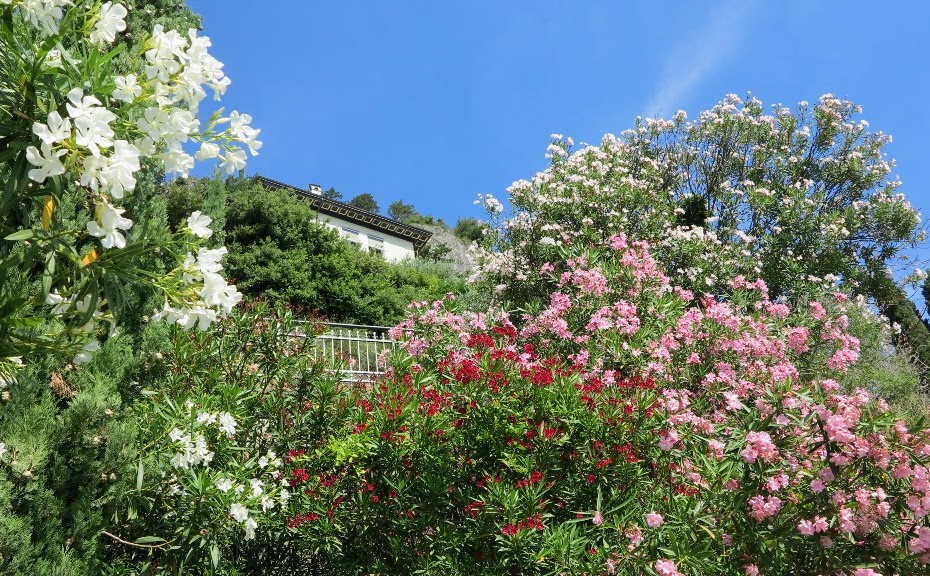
(217, 292)
(59, 303)
(208, 260)
(80, 105)
(233, 160)
(177, 161)
(223, 484)
(127, 88)
(52, 59)
(238, 512)
(227, 424)
(108, 225)
(57, 130)
(197, 316)
(206, 418)
(93, 172)
(199, 224)
(119, 174)
(250, 526)
(193, 451)
(46, 162)
(86, 353)
(162, 59)
(207, 151)
(44, 15)
(240, 129)
(110, 22)
(92, 121)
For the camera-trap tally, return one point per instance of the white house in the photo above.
(394, 240)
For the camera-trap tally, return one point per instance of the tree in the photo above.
(365, 202)
(401, 211)
(470, 229)
(925, 292)
(435, 252)
(332, 194)
(281, 252)
(911, 331)
(797, 198)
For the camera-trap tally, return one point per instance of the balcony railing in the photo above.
(359, 349)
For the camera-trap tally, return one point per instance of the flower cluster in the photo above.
(712, 205)
(99, 131)
(250, 488)
(697, 433)
(193, 451)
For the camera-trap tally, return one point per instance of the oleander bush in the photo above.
(215, 415)
(625, 426)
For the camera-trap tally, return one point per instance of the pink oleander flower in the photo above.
(667, 441)
(920, 543)
(654, 519)
(847, 520)
(751, 570)
(667, 568)
(763, 507)
(598, 519)
(797, 340)
(829, 385)
(759, 446)
(817, 310)
(887, 542)
(806, 527)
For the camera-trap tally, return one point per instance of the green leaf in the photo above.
(215, 554)
(49, 273)
(149, 540)
(139, 476)
(21, 235)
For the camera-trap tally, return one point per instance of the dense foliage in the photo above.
(76, 136)
(628, 427)
(685, 382)
(87, 132)
(280, 251)
(206, 490)
(470, 229)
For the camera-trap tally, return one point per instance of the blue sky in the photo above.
(435, 102)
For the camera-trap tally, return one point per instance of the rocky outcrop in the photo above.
(458, 250)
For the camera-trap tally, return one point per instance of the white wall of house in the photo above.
(393, 248)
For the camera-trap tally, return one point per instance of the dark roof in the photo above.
(350, 213)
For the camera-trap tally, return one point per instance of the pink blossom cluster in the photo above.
(802, 453)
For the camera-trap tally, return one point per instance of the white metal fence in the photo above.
(360, 349)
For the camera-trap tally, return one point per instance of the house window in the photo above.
(376, 245)
(352, 236)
